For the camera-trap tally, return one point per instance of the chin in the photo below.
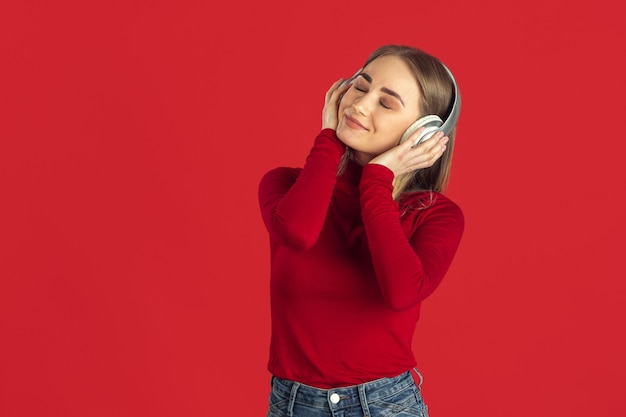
(347, 135)
(340, 133)
(346, 138)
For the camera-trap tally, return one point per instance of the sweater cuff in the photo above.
(376, 175)
(331, 136)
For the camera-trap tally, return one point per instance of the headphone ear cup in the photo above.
(432, 124)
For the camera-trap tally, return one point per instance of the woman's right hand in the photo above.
(330, 113)
(405, 157)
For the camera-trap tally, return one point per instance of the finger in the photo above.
(433, 141)
(426, 157)
(333, 88)
(438, 147)
(334, 97)
(410, 141)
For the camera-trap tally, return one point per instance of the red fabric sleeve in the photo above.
(408, 268)
(294, 202)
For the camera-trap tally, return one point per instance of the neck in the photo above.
(361, 158)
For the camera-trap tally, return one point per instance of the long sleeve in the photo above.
(294, 202)
(347, 271)
(409, 262)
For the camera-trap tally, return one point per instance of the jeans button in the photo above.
(334, 398)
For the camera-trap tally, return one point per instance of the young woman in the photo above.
(359, 237)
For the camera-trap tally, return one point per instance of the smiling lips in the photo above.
(354, 124)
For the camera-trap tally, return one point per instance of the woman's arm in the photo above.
(408, 268)
(294, 202)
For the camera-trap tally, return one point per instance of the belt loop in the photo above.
(292, 398)
(421, 378)
(363, 399)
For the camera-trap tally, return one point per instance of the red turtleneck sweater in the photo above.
(349, 267)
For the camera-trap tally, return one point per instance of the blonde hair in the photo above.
(436, 97)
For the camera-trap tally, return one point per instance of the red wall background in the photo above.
(133, 261)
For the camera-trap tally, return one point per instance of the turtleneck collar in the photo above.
(353, 171)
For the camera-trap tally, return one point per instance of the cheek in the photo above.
(395, 128)
(345, 102)
(342, 106)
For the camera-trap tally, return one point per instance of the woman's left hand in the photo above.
(403, 158)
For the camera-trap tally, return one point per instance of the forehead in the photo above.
(391, 66)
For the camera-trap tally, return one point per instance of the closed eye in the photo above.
(381, 102)
(385, 90)
(358, 86)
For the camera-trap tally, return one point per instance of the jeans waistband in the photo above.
(344, 397)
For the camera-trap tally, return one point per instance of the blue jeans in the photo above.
(385, 397)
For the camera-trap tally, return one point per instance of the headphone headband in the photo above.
(453, 117)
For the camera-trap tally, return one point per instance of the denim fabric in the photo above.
(385, 397)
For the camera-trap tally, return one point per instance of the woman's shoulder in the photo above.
(431, 209)
(429, 203)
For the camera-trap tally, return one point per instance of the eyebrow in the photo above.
(383, 89)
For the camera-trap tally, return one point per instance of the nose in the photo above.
(363, 104)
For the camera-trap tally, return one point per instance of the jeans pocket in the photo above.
(405, 403)
(277, 405)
